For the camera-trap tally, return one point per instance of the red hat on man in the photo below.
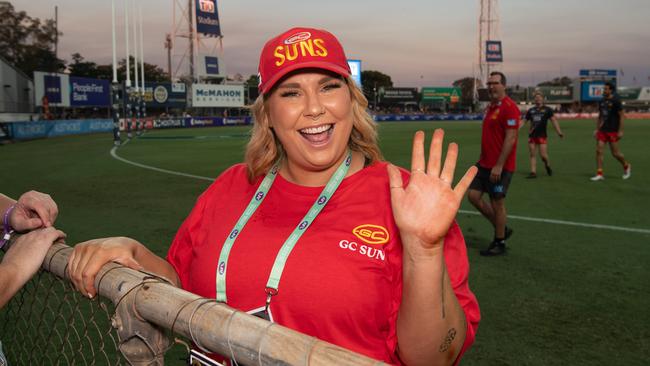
(300, 48)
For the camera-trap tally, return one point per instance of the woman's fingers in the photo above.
(395, 181)
(448, 170)
(417, 155)
(80, 251)
(435, 153)
(88, 258)
(85, 278)
(464, 182)
(131, 263)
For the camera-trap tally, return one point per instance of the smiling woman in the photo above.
(314, 231)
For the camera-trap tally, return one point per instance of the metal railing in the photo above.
(135, 313)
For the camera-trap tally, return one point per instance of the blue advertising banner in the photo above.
(41, 129)
(211, 65)
(52, 88)
(89, 92)
(217, 121)
(188, 122)
(592, 91)
(493, 51)
(598, 72)
(157, 95)
(207, 18)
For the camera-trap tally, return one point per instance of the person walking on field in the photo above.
(538, 116)
(609, 129)
(497, 162)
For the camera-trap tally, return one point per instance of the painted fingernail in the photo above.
(90, 296)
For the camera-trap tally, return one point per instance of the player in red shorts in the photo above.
(497, 161)
(538, 116)
(609, 129)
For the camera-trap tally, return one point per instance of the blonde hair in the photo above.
(264, 149)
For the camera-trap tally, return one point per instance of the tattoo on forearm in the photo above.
(451, 334)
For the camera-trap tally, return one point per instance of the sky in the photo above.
(417, 42)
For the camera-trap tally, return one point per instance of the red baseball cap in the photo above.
(300, 48)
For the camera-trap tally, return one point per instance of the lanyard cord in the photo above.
(282, 256)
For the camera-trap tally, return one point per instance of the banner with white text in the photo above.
(207, 18)
(216, 95)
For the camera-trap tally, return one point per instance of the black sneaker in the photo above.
(495, 248)
(531, 176)
(509, 232)
(549, 171)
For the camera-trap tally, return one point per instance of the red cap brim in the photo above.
(304, 65)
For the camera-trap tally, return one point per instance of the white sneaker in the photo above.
(628, 172)
(597, 177)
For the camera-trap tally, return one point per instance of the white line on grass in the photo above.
(515, 217)
(114, 155)
(570, 223)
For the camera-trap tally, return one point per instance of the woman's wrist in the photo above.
(416, 250)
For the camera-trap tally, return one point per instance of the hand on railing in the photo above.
(89, 257)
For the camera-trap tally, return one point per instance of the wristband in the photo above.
(7, 230)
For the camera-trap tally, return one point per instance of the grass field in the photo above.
(564, 294)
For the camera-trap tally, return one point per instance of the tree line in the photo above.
(28, 44)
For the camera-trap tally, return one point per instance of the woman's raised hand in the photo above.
(425, 209)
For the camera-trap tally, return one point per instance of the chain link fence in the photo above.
(131, 322)
(49, 323)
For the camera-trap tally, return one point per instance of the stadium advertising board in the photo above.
(158, 95)
(52, 88)
(215, 95)
(397, 95)
(493, 51)
(210, 67)
(628, 94)
(216, 121)
(55, 87)
(355, 70)
(191, 122)
(63, 90)
(169, 122)
(554, 94)
(598, 73)
(517, 93)
(89, 92)
(427, 117)
(448, 94)
(207, 18)
(644, 94)
(41, 129)
(591, 91)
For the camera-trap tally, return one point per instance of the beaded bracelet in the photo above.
(7, 230)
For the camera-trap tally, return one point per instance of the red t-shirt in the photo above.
(338, 286)
(498, 118)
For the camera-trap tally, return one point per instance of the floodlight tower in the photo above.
(181, 44)
(186, 44)
(488, 30)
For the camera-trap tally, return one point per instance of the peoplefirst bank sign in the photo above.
(210, 95)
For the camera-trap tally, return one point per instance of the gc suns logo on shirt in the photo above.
(512, 122)
(373, 235)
